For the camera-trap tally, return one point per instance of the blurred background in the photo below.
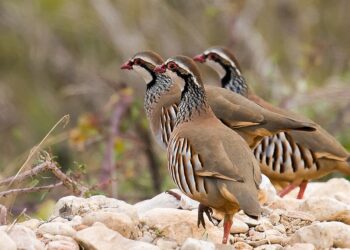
(61, 57)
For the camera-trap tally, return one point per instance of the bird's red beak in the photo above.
(127, 65)
(199, 58)
(160, 68)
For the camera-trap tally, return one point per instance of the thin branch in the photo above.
(29, 173)
(77, 188)
(30, 189)
(69, 183)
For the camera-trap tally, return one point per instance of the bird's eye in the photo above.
(171, 66)
(213, 56)
(137, 61)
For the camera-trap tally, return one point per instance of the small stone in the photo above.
(277, 239)
(274, 218)
(166, 244)
(147, 237)
(239, 226)
(301, 246)
(76, 221)
(280, 228)
(246, 219)
(62, 245)
(272, 232)
(263, 226)
(269, 247)
(193, 244)
(257, 236)
(242, 246)
(6, 242)
(57, 228)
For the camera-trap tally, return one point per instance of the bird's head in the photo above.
(220, 59)
(181, 69)
(144, 64)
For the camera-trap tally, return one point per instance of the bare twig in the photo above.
(30, 189)
(29, 173)
(77, 188)
(69, 183)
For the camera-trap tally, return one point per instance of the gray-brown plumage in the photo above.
(207, 160)
(162, 97)
(293, 157)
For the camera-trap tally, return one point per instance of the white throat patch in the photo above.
(217, 67)
(143, 73)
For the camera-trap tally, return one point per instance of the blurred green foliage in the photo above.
(62, 57)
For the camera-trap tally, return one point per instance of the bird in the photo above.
(207, 160)
(289, 158)
(162, 98)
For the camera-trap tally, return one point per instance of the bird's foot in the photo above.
(201, 210)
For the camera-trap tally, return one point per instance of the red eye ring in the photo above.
(137, 61)
(212, 56)
(171, 66)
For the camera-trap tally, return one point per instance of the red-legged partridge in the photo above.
(162, 97)
(207, 160)
(293, 157)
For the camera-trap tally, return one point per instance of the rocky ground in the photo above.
(320, 221)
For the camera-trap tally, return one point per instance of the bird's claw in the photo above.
(208, 211)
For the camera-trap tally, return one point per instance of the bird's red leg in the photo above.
(287, 189)
(302, 188)
(227, 227)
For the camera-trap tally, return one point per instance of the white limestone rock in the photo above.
(326, 209)
(57, 228)
(31, 223)
(100, 237)
(166, 244)
(323, 235)
(239, 226)
(180, 224)
(62, 245)
(267, 192)
(301, 246)
(25, 238)
(70, 206)
(242, 246)
(6, 242)
(194, 244)
(166, 200)
(119, 222)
